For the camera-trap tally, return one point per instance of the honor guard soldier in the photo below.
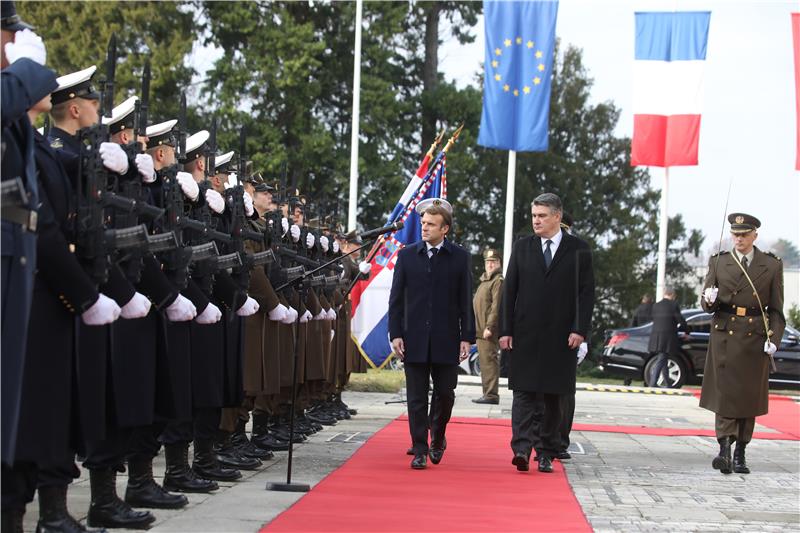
(744, 291)
(487, 311)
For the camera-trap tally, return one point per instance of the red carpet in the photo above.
(474, 488)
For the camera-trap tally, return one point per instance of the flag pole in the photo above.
(509, 228)
(662, 238)
(352, 206)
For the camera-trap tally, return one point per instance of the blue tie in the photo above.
(548, 255)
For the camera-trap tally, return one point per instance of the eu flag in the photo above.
(516, 87)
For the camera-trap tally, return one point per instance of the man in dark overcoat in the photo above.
(546, 315)
(431, 325)
(664, 341)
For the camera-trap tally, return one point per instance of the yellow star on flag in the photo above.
(537, 80)
(497, 77)
(519, 40)
(526, 89)
(507, 42)
(495, 63)
(516, 92)
(498, 52)
(506, 87)
(540, 67)
(538, 54)
(530, 44)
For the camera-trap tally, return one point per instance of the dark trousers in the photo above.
(567, 414)
(203, 426)
(58, 475)
(527, 434)
(18, 485)
(445, 379)
(109, 452)
(144, 443)
(660, 368)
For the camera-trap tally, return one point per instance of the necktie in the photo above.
(744, 262)
(548, 255)
(433, 251)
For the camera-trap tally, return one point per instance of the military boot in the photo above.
(207, 466)
(739, 463)
(179, 477)
(722, 462)
(263, 436)
(53, 514)
(245, 446)
(107, 510)
(228, 455)
(143, 491)
(12, 520)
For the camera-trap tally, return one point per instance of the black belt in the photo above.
(739, 311)
(27, 218)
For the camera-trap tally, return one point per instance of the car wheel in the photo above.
(676, 369)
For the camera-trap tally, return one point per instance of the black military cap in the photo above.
(566, 220)
(743, 223)
(11, 21)
(263, 187)
(351, 237)
(75, 85)
(122, 116)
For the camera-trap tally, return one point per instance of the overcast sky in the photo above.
(748, 120)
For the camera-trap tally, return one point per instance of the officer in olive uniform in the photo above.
(487, 309)
(744, 291)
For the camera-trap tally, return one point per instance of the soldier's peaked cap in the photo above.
(159, 134)
(11, 21)
(121, 116)
(75, 85)
(222, 163)
(195, 145)
(490, 254)
(743, 223)
(433, 202)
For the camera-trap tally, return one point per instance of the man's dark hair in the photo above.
(447, 216)
(550, 200)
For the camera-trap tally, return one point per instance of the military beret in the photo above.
(743, 223)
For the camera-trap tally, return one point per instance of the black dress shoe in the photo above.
(545, 464)
(521, 461)
(436, 455)
(410, 451)
(563, 456)
(419, 462)
(483, 399)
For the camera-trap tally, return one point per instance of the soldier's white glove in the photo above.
(250, 307)
(215, 201)
(335, 246)
(291, 316)
(210, 315)
(333, 334)
(583, 349)
(231, 182)
(181, 310)
(113, 157)
(710, 294)
(331, 314)
(306, 317)
(770, 348)
(295, 232)
(310, 240)
(248, 204)
(279, 314)
(323, 241)
(322, 315)
(103, 311)
(137, 307)
(146, 167)
(188, 185)
(364, 267)
(26, 44)
(284, 225)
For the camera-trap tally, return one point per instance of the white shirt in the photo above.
(429, 248)
(555, 241)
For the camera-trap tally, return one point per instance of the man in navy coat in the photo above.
(431, 325)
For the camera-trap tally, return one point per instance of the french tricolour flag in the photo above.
(668, 86)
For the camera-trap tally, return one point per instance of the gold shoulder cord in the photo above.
(760, 307)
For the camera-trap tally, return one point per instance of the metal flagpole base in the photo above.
(288, 487)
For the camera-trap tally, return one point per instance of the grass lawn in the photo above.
(376, 380)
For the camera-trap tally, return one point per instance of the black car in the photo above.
(625, 354)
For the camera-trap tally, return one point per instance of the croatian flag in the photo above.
(370, 298)
(668, 86)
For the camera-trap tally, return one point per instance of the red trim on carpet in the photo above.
(783, 416)
(474, 489)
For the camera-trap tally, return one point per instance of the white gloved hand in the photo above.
(323, 241)
(26, 44)
(710, 294)
(333, 334)
(583, 349)
(114, 157)
(137, 307)
(230, 183)
(322, 315)
(250, 307)
(284, 225)
(291, 316)
(181, 310)
(215, 201)
(103, 311)
(279, 314)
(188, 185)
(335, 246)
(248, 204)
(146, 167)
(306, 317)
(364, 267)
(770, 348)
(331, 314)
(310, 240)
(295, 231)
(210, 315)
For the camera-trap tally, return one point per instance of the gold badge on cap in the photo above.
(437, 202)
(740, 219)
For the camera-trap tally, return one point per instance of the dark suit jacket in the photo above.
(667, 320)
(643, 315)
(541, 307)
(430, 306)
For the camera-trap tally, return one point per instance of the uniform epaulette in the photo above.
(721, 252)
(773, 255)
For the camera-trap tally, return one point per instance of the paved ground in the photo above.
(623, 482)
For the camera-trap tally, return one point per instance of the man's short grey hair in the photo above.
(670, 291)
(550, 200)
